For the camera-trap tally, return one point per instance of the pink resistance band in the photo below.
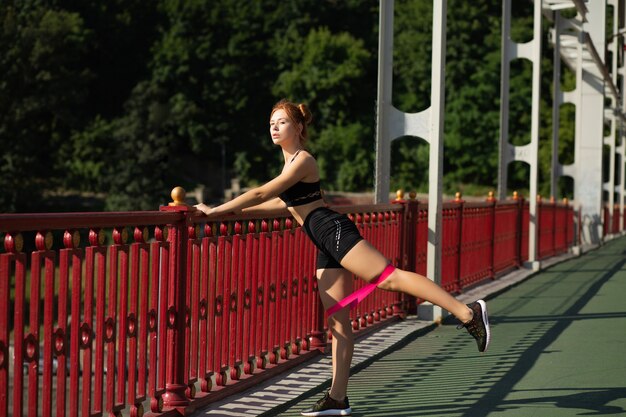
(359, 295)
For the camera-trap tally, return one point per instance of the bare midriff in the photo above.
(301, 212)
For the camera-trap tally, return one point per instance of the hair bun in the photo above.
(306, 113)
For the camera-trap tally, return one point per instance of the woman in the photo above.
(342, 251)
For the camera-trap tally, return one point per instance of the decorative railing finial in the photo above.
(178, 195)
(13, 242)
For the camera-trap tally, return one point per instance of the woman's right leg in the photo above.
(335, 284)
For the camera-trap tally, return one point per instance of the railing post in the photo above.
(407, 233)
(317, 340)
(408, 245)
(518, 227)
(553, 234)
(460, 203)
(318, 336)
(492, 245)
(175, 378)
(540, 243)
(580, 225)
(566, 221)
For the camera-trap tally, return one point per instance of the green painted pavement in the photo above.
(558, 349)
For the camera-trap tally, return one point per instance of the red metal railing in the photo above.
(162, 312)
(476, 260)
(611, 223)
(384, 230)
(451, 242)
(484, 240)
(507, 239)
(98, 301)
(556, 229)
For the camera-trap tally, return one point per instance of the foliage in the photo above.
(127, 98)
(42, 86)
(409, 169)
(328, 78)
(472, 90)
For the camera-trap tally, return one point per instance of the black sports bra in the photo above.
(301, 193)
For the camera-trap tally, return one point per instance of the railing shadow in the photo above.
(494, 399)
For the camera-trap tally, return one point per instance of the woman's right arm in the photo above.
(300, 168)
(275, 205)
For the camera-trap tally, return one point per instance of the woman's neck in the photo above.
(290, 154)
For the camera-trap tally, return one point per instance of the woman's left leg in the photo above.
(368, 263)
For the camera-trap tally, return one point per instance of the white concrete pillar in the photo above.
(621, 105)
(527, 153)
(590, 121)
(384, 104)
(568, 45)
(621, 150)
(613, 117)
(435, 173)
(557, 100)
(392, 123)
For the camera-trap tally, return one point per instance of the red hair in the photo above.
(297, 113)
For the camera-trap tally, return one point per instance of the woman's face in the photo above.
(282, 128)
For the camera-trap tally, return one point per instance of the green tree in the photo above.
(119, 49)
(43, 84)
(331, 78)
(129, 99)
(409, 168)
(472, 94)
(472, 90)
(143, 151)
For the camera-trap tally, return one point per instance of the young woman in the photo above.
(342, 251)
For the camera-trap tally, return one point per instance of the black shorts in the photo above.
(334, 235)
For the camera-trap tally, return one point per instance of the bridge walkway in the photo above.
(558, 349)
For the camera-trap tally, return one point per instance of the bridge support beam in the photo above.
(615, 184)
(589, 130)
(392, 124)
(582, 43)
(621, 148)
(565, 34)
(527, 153)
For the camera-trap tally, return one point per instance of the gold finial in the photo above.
(565, 200)
(13, 242)
(490, 196)
(48, 241)
(412, 195)
(515, 195)
(399, 194)
(457, 196)
(178, 195)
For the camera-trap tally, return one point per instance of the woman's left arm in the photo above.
(250, 198)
